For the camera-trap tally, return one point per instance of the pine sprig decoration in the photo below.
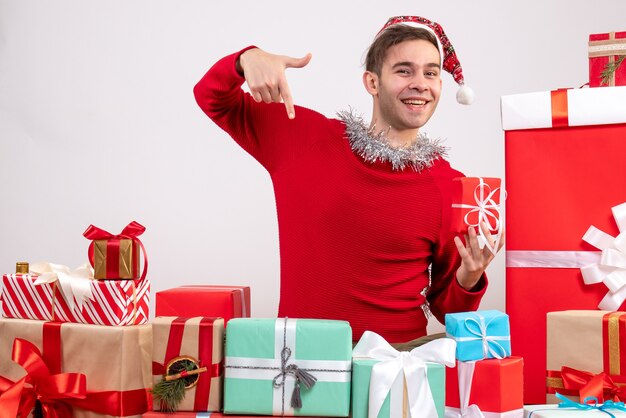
(609, 69)
(170, 391)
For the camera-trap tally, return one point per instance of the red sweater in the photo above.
(356, 238)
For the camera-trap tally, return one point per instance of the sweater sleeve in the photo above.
(261, 129)
(446, 295)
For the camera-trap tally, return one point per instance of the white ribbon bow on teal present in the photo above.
(411, 364)
(75, 284)
(611, 268)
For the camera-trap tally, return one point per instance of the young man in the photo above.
(363, 210)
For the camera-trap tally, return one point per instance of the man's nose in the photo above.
(418, 82)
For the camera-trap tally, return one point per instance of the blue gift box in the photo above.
(479, 335)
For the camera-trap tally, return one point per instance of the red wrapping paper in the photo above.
(202, 339)
(469, 192)
(115, 302)
(204, 300)
(559, 182)
(497, 385)
(603, 48)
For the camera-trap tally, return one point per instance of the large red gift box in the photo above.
(564, 172)
(113, 302)
(496, 387)
(199, 339)
(607, 49)
(204, 300)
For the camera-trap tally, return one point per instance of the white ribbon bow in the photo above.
(489, 341)
(75, 284)
(488, 212)
(611, 269)
(466, 374)
(413, 366)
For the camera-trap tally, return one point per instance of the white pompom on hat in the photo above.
(451, 64)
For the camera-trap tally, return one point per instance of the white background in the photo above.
(98, 124)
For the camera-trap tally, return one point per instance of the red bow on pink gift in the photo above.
(131, 231)
(587, 384)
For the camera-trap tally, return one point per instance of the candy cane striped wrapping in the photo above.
(114, 303)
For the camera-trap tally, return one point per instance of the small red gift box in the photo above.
(116, 256)
(199, 340)
(497, 386)
(204, 300)
(475, 200)
(607, 66)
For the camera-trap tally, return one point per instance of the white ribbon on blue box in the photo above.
(479, 335)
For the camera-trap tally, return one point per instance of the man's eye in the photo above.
(403, 71)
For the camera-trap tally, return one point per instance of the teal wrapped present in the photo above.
(288, 367)
(479, 335)
(387, 383)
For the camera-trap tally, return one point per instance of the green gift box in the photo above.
(386, 382)
(287, 366)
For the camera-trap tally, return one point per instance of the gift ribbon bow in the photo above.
(466, 374)
(592, 385)
(131, 231)
(51, 390)
(75, 284)
(491, 346)
(611, 269)
(488, 212)
(591, 403)
(411, 364)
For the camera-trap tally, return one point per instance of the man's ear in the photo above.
(370, 81)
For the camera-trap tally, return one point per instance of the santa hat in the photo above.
(451, 64)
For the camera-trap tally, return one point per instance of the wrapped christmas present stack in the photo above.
(188, 347)
(72, 345)
(387, 383)
(486, 380)
(565, 172)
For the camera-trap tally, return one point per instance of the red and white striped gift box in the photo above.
(114, 302)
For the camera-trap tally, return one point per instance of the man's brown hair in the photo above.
(391, 36)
